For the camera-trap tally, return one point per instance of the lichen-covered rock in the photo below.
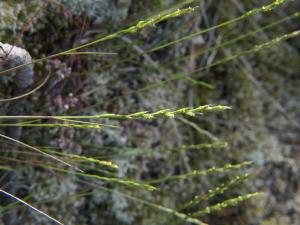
(15, 15)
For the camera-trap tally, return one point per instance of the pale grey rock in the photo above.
(12, 56)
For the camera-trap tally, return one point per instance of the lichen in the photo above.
(259, 87)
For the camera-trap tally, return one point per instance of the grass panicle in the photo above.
(213, 192)
(225, 168)
(225, 204)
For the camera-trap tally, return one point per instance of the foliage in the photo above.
(149, 153)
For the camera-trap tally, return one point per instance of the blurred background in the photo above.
(187, 61)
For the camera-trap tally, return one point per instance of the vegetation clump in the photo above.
(165, 112)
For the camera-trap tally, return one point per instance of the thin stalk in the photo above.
(139, 115)
(133, 29)
(30, 206)
(40, 151)
(255, 49)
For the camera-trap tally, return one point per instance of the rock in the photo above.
(12, 56)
